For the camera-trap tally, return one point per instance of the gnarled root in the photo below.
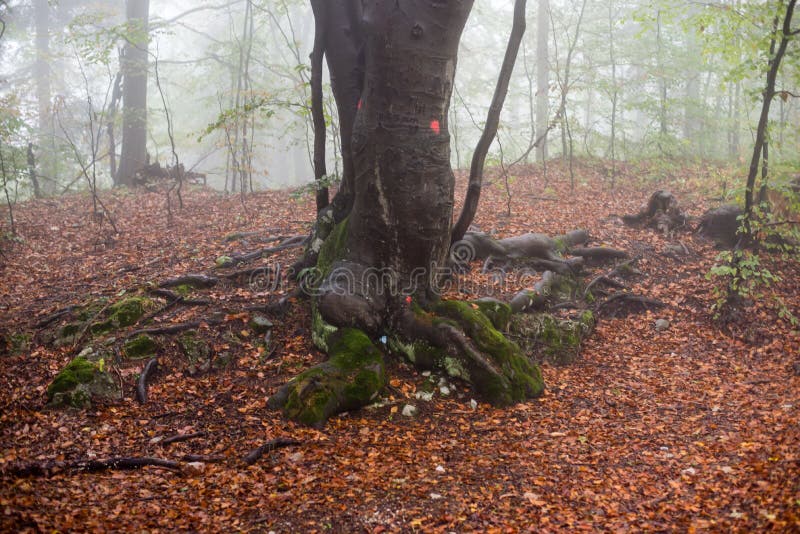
(352, 377)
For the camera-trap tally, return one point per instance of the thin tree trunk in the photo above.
(763, 121)
(492, 123)
(542, 77)
(42, 74)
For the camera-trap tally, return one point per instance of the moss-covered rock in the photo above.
(82, 380)
(15, 343)
(546, 338)
(140, 347)
(352, 377)
(122, 314)
(496, 367)
(197, 351)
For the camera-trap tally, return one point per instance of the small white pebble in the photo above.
(440, 469)
(473, 404)
(435, 496)
(444, 390)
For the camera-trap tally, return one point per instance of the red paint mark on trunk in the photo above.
(359, 103)
(435, 127)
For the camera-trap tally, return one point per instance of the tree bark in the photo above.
(134, 92)
(542, 77)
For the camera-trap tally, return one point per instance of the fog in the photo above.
(625, 81)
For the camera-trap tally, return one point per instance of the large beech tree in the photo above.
(382, 247)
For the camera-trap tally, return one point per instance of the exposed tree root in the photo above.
(238, 259)
(256, 454)
(177, 438)
(352, 377)
(141, 385)
(46, 469)
(175, 328)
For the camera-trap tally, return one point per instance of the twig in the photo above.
(256, 454)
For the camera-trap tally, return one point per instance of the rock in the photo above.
(444, 390)
(409, 410)
(260, 324)
(661, 325)
(140, 347)
(82, 380)
(440, 469)
(473, 404)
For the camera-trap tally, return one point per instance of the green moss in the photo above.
(223, 262)
(197, 351)
(352, 377)
(142, 346)
(545, 337)
(333, 249)
(499, 313)
(124, 313)
(78, 371)
(18, 343)
(184, 290)
(508, 376)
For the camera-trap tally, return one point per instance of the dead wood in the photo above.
(182, 437)
(292, 242)
(46, 469)
(662, 212)
(256, 454)
(141, 385)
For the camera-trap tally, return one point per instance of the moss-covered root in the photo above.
(495, 366)
(352, 377)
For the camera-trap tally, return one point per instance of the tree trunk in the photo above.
(43, 94)
(379, 270)
(134, 92)
(542, 77)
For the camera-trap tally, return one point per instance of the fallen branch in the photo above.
(141, 384)
(256, 454)
(88, 466)
(182, 437)
(237, 259)
(203, 458)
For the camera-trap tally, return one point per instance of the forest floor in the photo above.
(690, 428)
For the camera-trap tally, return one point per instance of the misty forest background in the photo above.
(228, 83)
